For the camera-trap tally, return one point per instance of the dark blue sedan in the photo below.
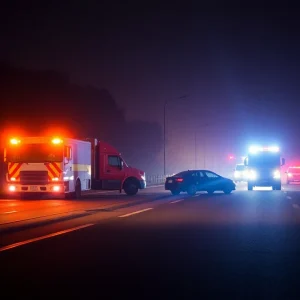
(192, 181)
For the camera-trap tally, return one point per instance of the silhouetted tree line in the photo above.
(34, 101)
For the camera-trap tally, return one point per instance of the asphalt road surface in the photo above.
(244, 245)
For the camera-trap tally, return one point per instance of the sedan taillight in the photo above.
(178, 179)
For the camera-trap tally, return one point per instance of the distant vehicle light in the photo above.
(15, 141)
(236, 174)
(290, 175)
(56, 141)
(276, 174)
(252, 175)
(13, 179)
(12, 188)
(55, 179)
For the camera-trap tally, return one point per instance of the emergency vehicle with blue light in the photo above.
(263, 167)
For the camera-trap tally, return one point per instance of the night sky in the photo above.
(239, 65)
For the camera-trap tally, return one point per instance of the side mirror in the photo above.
(283, 161)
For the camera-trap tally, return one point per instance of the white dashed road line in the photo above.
(175, 201)
(135, 212)
(289, 197)
(43, 237)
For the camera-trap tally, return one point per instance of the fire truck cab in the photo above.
(47, 165)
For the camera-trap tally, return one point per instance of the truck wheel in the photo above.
(250, 187)
(175, 192)
(131, 188)
(192, 190)
(78, 189)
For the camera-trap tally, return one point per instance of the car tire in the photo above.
(175, 192)
(227, 191)
(192, 190)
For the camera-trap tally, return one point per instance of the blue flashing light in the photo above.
(256, 149)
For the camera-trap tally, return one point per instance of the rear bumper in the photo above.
(173, 187)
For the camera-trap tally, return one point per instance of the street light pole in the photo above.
(165, 104)
(195, 150)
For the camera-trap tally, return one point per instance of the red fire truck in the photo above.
(56, 165)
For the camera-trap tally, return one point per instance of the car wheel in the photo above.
(227, 191)
(192, 190)
(175, 192)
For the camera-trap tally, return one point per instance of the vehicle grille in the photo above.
(34, 177)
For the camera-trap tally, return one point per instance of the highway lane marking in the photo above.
(296, 206)
(135, 212)
(152, 186)
(10, 212)
(8, 247)
(289, 197)
(175, 201)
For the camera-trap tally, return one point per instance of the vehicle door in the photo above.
(200, 181)
(213, 181)
(195, 179)
(113, 172)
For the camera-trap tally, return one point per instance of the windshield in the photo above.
(240, 168)
(294, 170)
(35, 153)
(264, 160)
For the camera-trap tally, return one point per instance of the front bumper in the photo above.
(143, 184)
(265, 182)
(17, 188)
(293, 179)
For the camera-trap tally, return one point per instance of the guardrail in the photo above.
(156, 179)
